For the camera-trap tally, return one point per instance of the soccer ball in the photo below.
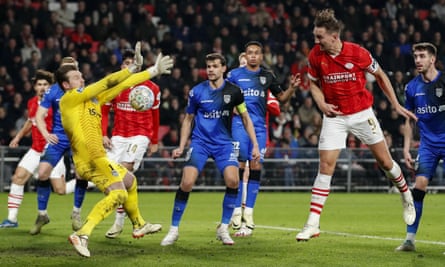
(141, 98)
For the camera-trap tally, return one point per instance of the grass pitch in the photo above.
(357, 230)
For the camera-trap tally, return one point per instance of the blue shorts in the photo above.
(223, 154)
(54, 152)
(245, 145)
(427, 159)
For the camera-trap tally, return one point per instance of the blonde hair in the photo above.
(326, 19)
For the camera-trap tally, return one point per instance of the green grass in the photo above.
(357, 230)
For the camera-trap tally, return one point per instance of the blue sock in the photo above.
(239, 198)
(418, 196)
(180, 204)
(43, 193)
(230, 198)
(253, 186)
(413, 227)
(79, 192)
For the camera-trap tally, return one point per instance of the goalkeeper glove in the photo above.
(163, 65)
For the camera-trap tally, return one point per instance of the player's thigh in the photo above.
(27, 166)
(105, 172)
(129, 149)
(427, 161)
(52, 154)
(240, 135)
(197, 155)
(365, 126)
(224, 156)
(333, 133)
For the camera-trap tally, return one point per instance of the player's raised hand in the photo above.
(163, 65)
(138, 58)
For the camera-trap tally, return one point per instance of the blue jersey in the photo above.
(51, 99)
(427, 101)
(213, 110)
(254, 85)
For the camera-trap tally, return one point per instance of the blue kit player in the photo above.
(254, 80)
(57, 145)
(425, 96)
(208, 119)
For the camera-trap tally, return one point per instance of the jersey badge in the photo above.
(439, 92)
(227, 99)
(262, 80)
(349, 65)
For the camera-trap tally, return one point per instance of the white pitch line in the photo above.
(350, 235)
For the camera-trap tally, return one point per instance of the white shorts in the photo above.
(128, 149)
(31, 160)
(364, 125)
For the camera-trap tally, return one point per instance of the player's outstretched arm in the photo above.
(163, 65)
(186, 129)
(248, 125)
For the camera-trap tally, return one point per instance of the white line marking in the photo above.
(350, 235)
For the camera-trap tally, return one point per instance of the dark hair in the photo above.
(128, 53)
(253, 43)
(429, 47)
(215, 56)
(43, 75)
(326, 19)
(61, 73)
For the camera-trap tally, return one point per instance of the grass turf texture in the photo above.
(357, 230)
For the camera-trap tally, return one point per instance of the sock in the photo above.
(181, 199)
(244, 194)
(253, 186)
(79, 192)
(320, 193)
(131, 206)
(411, 230)
(43, 193)
(120, 216)
(239, 198)
(15, 199)
(102, 209)
(70, 186)
(396, 177)
(230, 198)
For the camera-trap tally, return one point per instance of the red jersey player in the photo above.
(337, 73)
(133, 132)
(29, 164)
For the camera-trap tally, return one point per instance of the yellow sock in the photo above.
(102, 209)
(131, 206)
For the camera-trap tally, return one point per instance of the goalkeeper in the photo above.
(81, 118)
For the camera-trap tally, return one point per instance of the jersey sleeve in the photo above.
(366, 61)
(105, 109)
(192, 103)
(409, 99)
(312, 65)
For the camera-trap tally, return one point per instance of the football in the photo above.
(141, 98)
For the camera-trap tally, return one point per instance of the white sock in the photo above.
(77, 210)
(120, 216)
(70, 186)
(411, 236)
(396, 177)
(320, 193)
(237, 210)
(15, 199)
(243, 202)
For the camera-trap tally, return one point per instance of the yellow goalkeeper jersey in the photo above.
(81, 112)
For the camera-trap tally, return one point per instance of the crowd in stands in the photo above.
(37, 34)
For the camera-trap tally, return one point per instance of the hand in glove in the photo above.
(138, 59)
(163, 65)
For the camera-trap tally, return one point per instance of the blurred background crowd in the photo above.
(37, 34)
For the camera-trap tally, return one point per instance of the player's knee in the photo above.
(118, 196)
(418, 195)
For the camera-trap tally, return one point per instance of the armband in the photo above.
(241, 108)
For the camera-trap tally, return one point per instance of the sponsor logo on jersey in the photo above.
(427, 109)
(339, 77)
(253, 92)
